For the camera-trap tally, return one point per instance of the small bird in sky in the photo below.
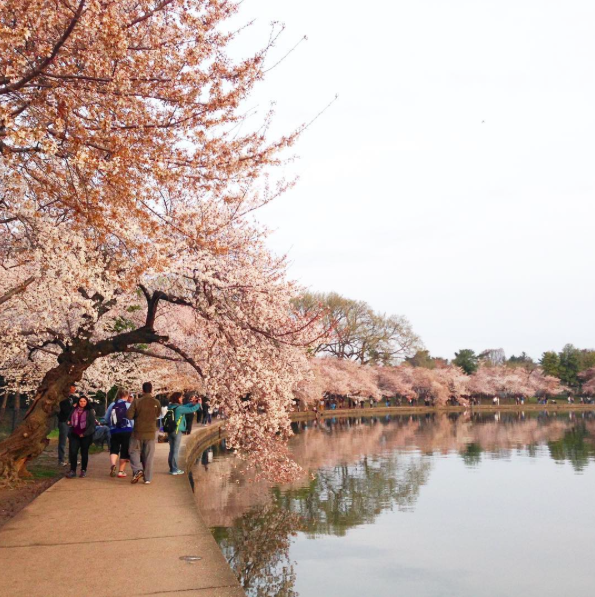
(483, 122)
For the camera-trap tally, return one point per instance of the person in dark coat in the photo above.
(65, 408)
(206, 410)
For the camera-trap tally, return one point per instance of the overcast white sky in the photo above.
(479, 232)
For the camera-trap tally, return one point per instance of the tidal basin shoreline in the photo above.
(156, 525)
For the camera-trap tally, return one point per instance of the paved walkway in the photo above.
(105, 537)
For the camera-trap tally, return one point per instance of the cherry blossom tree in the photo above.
(512, 381)
(456, 383)
(544, 385)
(395, 381)
(127, 194)
(345, 378)
(481, 383)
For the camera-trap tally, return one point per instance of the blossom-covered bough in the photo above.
(228, 320)
(128, 183)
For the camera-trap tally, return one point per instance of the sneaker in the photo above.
(71, 474)
(83, 474)
(112, 472)
(178, 472)
(122, 474)
(147, 482)
(137, 477)
(62, 463)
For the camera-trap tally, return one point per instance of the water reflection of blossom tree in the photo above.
(337, 499)
(336, 446)
(257, 549)
(347, 495)
(576, 446)
(362, 468)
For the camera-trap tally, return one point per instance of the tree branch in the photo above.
(17, 290)
(152, 304)
(149, 14)
(148, 353)
(33, 348)
(187, 358)
(121, 342)
(44, 63)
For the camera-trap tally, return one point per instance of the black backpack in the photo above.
(118, 418)
(169, 421)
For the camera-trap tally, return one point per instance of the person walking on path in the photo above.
(144, 411)
(120, 428)
(82, 427)
(65, 408)
(206, 411)
(174, 424)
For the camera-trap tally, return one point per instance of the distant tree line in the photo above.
(574, 367)
(356, 333)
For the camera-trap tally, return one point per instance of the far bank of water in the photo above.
(482, 504)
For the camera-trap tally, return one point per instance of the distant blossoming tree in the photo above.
(357, 332)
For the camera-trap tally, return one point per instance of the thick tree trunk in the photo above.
(3, 405)
(29, 439)
(16, 407)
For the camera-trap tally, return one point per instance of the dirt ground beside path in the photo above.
(45, 471)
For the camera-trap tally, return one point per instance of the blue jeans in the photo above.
(175, 441)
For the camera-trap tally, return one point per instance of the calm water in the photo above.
(443, 505)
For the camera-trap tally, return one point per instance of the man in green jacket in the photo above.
(144, 411)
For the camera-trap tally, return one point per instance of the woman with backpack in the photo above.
(174, 424)
(120, 431)
(164, 403)
(80, 436)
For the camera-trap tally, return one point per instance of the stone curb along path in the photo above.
(102, 536)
